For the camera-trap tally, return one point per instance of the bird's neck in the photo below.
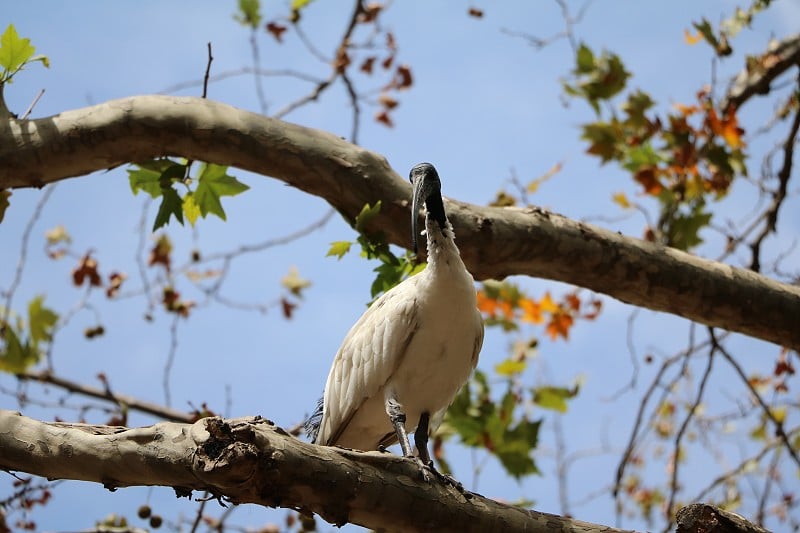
(443, 253)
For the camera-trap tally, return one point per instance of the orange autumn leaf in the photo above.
(559, 325)
(486, 305)
(531, 311)
(726, 127)
(573, 301)
(691, 39)
(646, 176)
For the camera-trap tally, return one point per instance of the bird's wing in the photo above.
(369, 355)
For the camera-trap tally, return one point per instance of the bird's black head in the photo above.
(427, 190)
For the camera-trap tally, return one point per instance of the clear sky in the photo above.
(483, 103)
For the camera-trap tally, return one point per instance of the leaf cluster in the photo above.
(392, 269)
(684, 160)
(203, 193)
(24, 342)
(15, 53)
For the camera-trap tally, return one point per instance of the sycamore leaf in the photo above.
(152, 176)
(621, 200)
(584, 60)
(190, 208)
(57, 235)
(171, 205)
(691, 39)
(300, 4)
(212, 184)
(15, 51)
(41, 321)
(509, 367)
(555, 398)
(366, 215)
(294, 282)
(249, 14)
(16, 357)
(339, 249)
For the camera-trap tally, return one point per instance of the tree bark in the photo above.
(250, 460)
(495, 242)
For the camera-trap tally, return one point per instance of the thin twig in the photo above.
(770, 216)
(673, 483)
(23, 255)
(779, 430)
(129, 402)
(208, 71)
(33, 104)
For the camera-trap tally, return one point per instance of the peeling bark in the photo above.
(250, 460)
(495, 242)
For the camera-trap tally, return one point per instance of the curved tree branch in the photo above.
(495, 242)
(250, 460)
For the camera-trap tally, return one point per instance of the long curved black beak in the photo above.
(426, 185)
(416, 201)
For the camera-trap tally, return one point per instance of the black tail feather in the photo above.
(311, 425)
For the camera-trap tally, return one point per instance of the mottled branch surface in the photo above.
(495, 242)
(250, 460)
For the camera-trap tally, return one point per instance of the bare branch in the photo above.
(122, 400)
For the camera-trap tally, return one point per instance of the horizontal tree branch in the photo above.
(250, 460)
(495, 242)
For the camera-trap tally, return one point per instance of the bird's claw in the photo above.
(429, 473)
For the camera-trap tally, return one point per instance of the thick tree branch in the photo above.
(762, 70)
(495, 242)
(250, 460)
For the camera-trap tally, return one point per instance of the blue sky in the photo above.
(483, 103)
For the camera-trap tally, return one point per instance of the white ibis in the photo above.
(402, 363)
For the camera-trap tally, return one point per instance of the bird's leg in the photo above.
(398, 419)
(421, 439)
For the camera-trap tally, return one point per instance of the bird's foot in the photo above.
(429, 473)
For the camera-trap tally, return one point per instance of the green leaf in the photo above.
(339, 249)
(41, 321)
(212, 184)
(249, 13)
(510, 367)
(190, 208)
(704, 27)
(366, 215)
(584, 60)
(554, 398)
(4, 203)
(683, 230)
(297, 5)
(15, 51)
(171, 205)
(146, 180)
(16, 357)
(152, 176)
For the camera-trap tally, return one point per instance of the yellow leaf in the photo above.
(510, 368)
(621, 200)
(779, 414)
(691, 39)
(57, 235)
(190, 208)
(547, 305)
(294, 282)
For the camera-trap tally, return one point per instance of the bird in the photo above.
(402, 363)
